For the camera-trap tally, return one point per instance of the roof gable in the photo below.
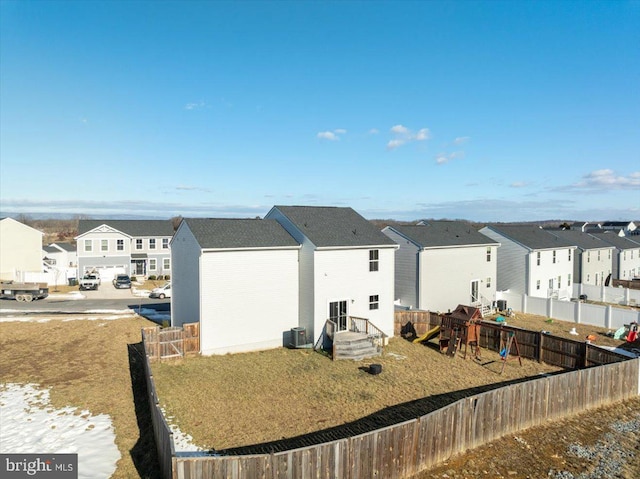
(332, 226)
(225, 233)
(133, 228)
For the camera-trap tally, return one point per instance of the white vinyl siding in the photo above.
(249, 299)
(512, 265)
(344, 275)
(446, 274)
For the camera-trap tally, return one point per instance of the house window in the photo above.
(559, 281)
(488, 254)
(152, 243)
(166, 264)
(538, 284)
(554, 257)
(598, 255)
(104, 245)
(120, 245)
(373, 260)
(569, 255)
(373, 302)
(588, 278)
(153, 264)
(588, 256)
(139, 243)
(538, 258)
(596, 279)
(551, 283)
(165, 243)
(488, 282)
(569, 280)
(609, 254)
(88, 246)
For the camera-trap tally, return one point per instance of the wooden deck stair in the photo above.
(356, 346)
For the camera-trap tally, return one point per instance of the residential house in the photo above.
(532, 261)
(59, 255)
(440, 264)
(593, 262)
(626, 256)
(346, 267)
(239, 279)
(20, 250)
(622, 228)
(133, 247)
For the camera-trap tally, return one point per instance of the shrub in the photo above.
(167, 277)
(133, 278)
(160, 277)
(152, 277)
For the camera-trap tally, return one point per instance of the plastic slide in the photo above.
(428, 335)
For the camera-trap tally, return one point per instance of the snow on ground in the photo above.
(72, 295)
(183, 442)
(42, 316)
(31, 425)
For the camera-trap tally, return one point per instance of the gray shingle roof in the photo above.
(332, 226)
(533, 237)
(584, 241)
(444, 233)
(620, 242)
(239, 233)
(50, 249)
(135, 228)
(66, 246)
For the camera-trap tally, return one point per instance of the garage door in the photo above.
(107, 273)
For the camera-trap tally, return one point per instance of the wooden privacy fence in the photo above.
(174, 342)
(405, 449)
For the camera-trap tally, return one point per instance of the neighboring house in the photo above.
(585, 226)
(622, 228)
(532, 261)
(239, 279)
(133, 247)
(61, 255)
(20, 250)
(346, 267)
(626, 256)
(593, 262)
(441, 264)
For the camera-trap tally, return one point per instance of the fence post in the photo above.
(549, 307)
(607, 317)
(524, 303)
(578, 312)
(540, 347)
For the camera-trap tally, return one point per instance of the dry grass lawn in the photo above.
(243, 399)
(87, 365)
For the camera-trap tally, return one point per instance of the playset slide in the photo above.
(428, 335)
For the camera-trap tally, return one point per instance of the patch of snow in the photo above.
(183, 442)
(31, 425)
(141, 293)
(634, 353)
(72, 295)
(88, 316)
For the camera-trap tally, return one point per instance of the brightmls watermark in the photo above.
(39, 466)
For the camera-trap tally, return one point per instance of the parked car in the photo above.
(122, 281)
(161, 292)
(90, 281)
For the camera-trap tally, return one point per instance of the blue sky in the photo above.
(486, 111)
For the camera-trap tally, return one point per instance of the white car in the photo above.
(161, 292)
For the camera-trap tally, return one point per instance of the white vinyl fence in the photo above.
(608, 316)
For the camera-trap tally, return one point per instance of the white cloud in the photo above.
(395, 144)
(399, 129)
(461, 139)
(443, 158)
(374, 131)
(328, 135)
(518, 184)
(195, 106)
(331, 135)
(607, 179)
(404, 135)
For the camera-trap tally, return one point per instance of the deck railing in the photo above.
(363, 325)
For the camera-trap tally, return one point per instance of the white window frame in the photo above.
(104, 245)
(165, 243)
(139, 244)
(153, 264)
(88, 246)
(489, 254)
(374, 260)
(152, 243)
(166, 264)
(374, 302)
(120, 245)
